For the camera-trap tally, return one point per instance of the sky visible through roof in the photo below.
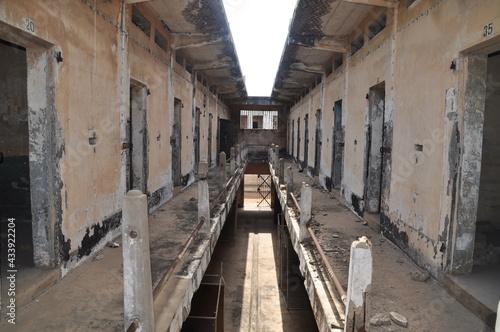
(259, 29)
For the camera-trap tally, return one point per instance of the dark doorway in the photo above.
(175, 142)
(375, 149)
(293, 137)
(137, 166)
(487, 243)
(210, 119)
(196, 138)
(298, 140)
(338, 145)
(317, 151)
(226, 136)
(306, 141)
(15, 183)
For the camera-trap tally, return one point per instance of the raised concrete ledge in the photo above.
(316, 283)
(173, 302)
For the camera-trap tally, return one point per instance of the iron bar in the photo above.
(329, 269)
(295, 201)
(133, 326)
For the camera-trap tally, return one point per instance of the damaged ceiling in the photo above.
(319, 33)
(202, 36)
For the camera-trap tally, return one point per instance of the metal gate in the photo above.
(290, 280)
(264, 190)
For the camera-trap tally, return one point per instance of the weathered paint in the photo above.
(431, 176)
(82, 59)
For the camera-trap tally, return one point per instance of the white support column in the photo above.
(305, 210)
(289, 185)
(137, 287)
(238, 156)
(222, 174)
(281, 173)
(271, 156)
(233, 161)
(276, 157)
(203, 199)
(359, 286)
(497, 325)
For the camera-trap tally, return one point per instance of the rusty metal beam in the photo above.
(190, 40)
(378, 3)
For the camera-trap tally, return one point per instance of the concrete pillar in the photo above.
(359, 286)
(289, 186)
(246, 152)
(305, 210)
(270, 155)
(203, 199)
(497, 325)
(233, 161)
(281, 173)
(276, 157)
(137, 287)
(222, 174)
(238, 156)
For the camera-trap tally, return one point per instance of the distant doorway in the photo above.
(306, 142)
(175, 142)
(375, 149)
(137, 165)
(196, 138)
(210, 119)
(338, 146)
(317, 150)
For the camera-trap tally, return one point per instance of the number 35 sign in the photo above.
(488, 30)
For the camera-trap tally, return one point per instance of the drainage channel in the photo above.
(261, 287)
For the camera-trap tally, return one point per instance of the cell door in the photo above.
(338, 145)
(375, 149)
(175, 142)
(298, 139)
(196, 138)
(210, 117)
(306, 141)
(317, 151)
(137, 133)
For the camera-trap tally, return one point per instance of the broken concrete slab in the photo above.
(380, 320)
(398, 319)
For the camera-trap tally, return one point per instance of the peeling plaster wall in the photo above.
(76, 55)
(424, 116)
(149, 68)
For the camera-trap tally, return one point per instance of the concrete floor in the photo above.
(253, 301)
(479, 291)
(427, 305)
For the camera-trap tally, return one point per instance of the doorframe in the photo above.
(375, 171)
(473, 65)
(46, 145)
